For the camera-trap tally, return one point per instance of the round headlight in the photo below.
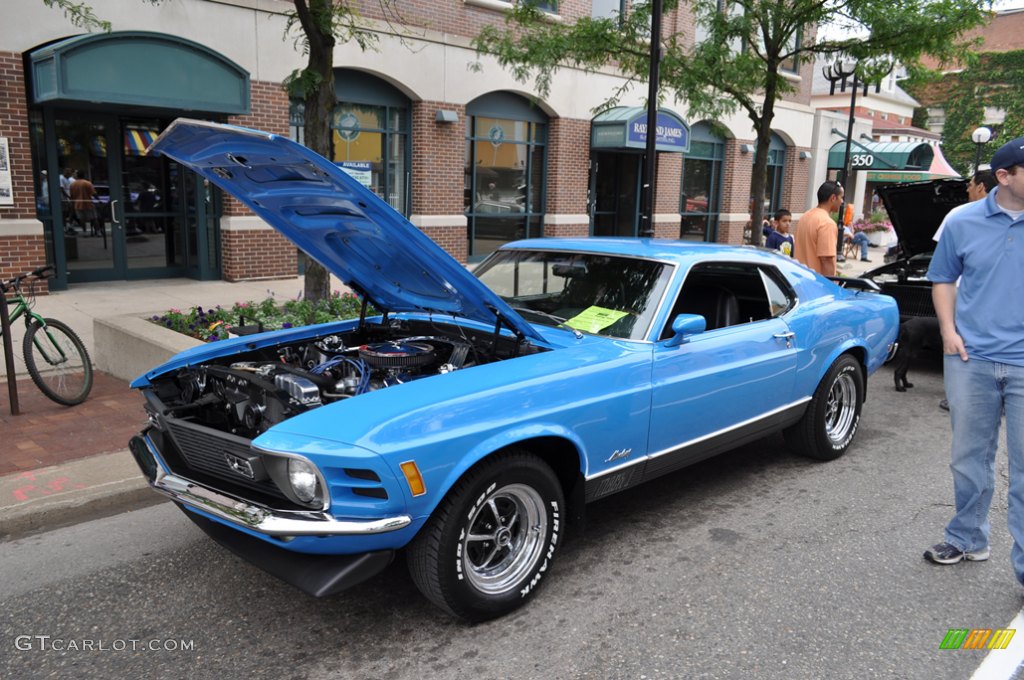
(302, 477)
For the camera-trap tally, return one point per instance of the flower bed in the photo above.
(217, 323)
(875, 223)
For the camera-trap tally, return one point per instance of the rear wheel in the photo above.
(57, 361)
(489, 543)
(831, 420)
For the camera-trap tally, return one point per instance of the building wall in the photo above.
(568, 178)
(21, 234)
(735, 216)
(438, 176)
(429, 61)
(250, 248)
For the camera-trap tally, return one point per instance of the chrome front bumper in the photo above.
(258, 518)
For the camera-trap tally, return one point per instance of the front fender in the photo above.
(510, 437)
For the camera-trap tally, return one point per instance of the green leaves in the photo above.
(992, 81)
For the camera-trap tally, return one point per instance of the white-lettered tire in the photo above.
(492, 540)
(832, 417)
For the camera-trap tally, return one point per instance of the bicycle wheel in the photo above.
(58, 362)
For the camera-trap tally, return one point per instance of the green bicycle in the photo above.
(55, 356)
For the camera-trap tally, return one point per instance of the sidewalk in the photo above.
(57, 462)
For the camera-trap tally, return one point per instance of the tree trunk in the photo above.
(319, 102)
(759, 179)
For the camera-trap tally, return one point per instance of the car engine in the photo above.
(253, 391)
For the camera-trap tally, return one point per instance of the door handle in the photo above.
(113, 214)
(787, 336)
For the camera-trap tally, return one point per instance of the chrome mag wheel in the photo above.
(505, 540)
(841, 407)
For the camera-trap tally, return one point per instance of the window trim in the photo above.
(506, 6)
(531, 143)
(702, 132)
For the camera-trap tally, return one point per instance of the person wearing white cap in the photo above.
(982, 325)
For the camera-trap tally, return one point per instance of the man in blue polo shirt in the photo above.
(982, 325)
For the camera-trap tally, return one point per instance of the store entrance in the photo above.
(147, 218)
(614, 194)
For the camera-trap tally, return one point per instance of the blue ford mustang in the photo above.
(468, 418)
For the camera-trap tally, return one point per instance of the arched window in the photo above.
(702, 184)
(776, 175)
(370, 128)
(506, 166)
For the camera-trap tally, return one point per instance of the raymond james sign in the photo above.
(668, 133)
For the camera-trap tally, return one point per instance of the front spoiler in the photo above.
(316, 575)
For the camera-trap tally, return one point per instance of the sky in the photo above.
(838, 32)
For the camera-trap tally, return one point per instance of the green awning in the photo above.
(625, 128)
(883, 156)
(138, 68)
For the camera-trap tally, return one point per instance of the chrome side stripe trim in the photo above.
(698, 440)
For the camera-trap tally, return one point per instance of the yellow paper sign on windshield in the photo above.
(595, 319)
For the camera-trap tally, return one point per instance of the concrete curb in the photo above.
(71, 492)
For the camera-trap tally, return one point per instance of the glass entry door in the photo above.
(134, 223)
(616, 194)
(90, 204)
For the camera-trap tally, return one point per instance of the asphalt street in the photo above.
(755, 564)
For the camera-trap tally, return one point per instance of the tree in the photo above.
(993, 81)
(80, 14)
(323, 24)
(738, 62)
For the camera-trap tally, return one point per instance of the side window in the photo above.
(725, 294)
(780, 299)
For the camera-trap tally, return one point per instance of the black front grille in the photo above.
(205, 450)
(912, 300)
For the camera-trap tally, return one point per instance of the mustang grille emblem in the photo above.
(240, 465)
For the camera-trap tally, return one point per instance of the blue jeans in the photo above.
(861, 239)
(979, 392)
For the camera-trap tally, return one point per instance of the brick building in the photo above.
(471, 156)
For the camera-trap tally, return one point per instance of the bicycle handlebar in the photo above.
(39, 273)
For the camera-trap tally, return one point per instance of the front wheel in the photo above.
(492, 539)
(831, 420)
(57, 362)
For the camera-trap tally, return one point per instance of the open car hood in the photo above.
(336, 220)
(916, 210)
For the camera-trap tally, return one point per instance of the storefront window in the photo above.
(702, 185)
(47, 188)
(369, 134)
(776, 175)
(505, 178)
(297, 121)
(368, 142)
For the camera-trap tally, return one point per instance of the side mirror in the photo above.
(685, 325)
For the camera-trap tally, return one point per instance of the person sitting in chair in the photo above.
(858, 238)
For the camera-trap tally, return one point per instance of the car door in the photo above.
(730, 383)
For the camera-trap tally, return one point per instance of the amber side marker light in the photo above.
(414, 478)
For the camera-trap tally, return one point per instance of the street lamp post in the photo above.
(981, 137)
(649, 170)
(837, 74)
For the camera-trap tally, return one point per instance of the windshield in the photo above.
(600, 294)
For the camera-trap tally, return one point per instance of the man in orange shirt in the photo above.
(82, 192)
(817, 232)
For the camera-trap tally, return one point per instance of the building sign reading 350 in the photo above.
(862, 160)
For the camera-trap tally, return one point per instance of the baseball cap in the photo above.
(1009, 155)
